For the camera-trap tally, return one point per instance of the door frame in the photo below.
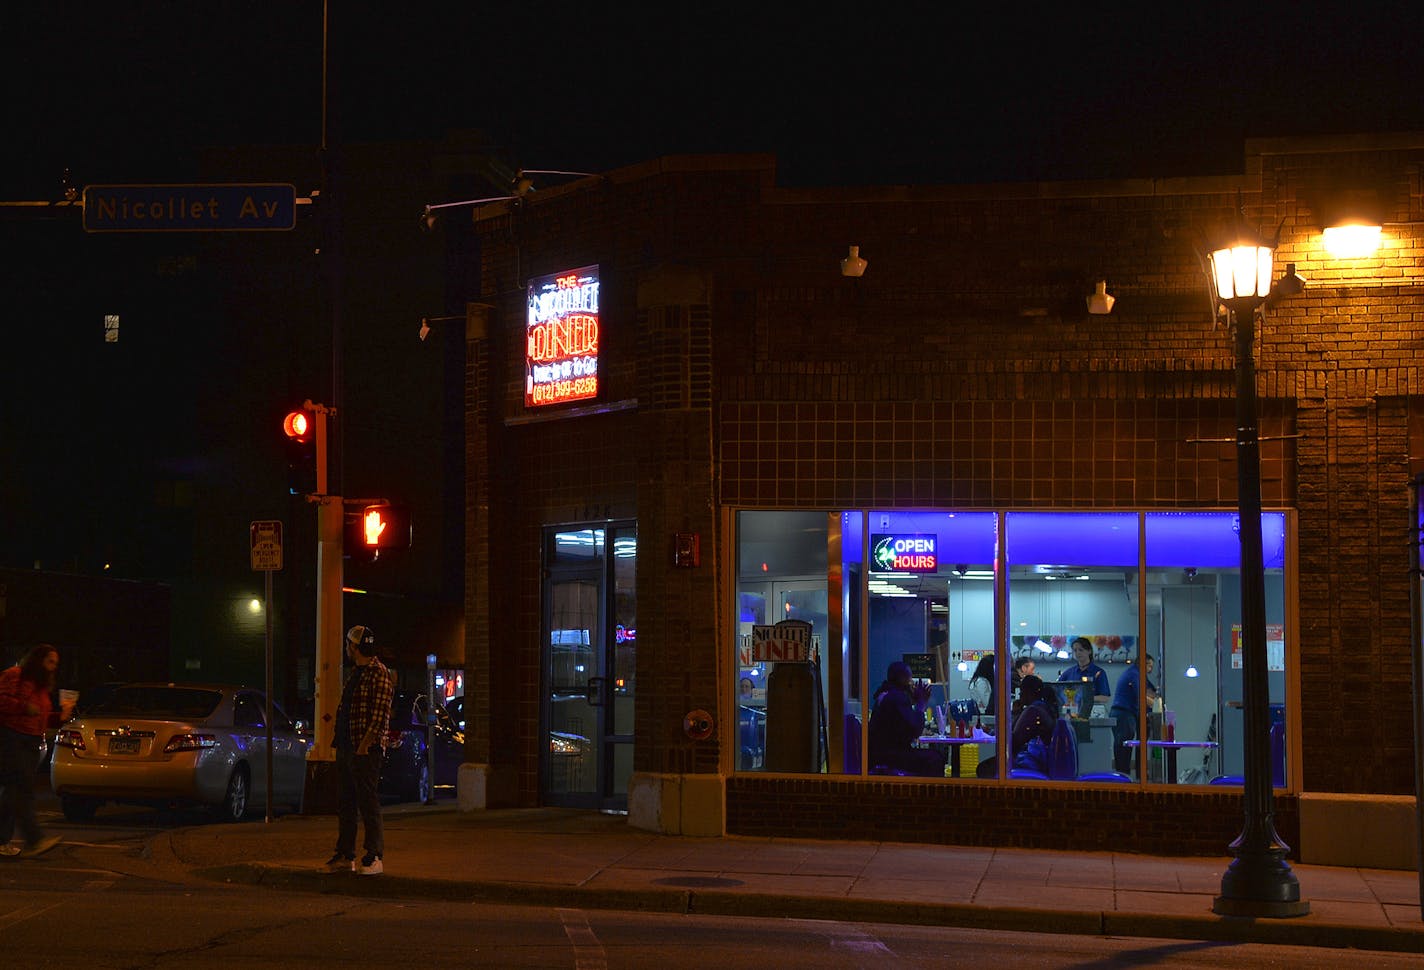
(602, 741)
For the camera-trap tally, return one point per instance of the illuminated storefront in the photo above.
(954, 460)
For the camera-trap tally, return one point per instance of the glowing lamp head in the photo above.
(1241, 270)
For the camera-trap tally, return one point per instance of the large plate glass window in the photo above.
(1074, 612)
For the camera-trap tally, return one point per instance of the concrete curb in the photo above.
(721, 902)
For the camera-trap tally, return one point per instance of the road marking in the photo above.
(98, 845)
(842, 936)
(17, 916)
(588, 952)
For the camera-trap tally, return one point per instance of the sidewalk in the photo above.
(556, 857)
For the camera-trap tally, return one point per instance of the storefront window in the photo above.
(1129, 622)
(782, 622)
(1194, 588)
(1073, 613)
(929, 603)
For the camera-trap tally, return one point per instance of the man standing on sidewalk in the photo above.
(362, 719)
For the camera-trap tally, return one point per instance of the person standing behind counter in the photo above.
(1086, 672)
(982, 686)
(1124, 713)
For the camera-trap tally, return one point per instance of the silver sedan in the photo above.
(167, 744)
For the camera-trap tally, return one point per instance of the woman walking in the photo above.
(26, 709)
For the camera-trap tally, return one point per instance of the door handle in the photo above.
(595, 689)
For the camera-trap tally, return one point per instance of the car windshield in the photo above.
(189, 703)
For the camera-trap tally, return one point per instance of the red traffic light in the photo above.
(297, 425)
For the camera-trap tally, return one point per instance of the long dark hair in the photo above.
(985, 668)
(1032, 688)
(32, 668)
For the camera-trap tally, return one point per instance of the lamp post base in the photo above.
(1261, 886)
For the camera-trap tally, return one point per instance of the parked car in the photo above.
(406, 774)
(177, 744)
(88, 698)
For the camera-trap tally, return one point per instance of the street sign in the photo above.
(223, 207)
(266, 545)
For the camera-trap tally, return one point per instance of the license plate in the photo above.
(123, 746)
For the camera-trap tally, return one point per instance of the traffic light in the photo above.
(300, 429)
(377, 528)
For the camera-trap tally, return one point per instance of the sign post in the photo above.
(266, 551)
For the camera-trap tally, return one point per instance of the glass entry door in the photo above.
(590, 637)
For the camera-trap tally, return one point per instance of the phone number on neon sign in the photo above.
(570, 390)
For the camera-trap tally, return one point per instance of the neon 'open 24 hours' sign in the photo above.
(561, 338)
(903, 553)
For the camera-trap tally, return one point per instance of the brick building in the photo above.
(685, 423)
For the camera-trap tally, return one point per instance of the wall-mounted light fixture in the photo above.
(1352, 240)
(1100, 301)
(1351, 218)
(853, 264)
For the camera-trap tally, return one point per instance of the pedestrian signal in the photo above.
(377, 528)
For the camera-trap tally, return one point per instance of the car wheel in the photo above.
(78, 809)
(234, 804)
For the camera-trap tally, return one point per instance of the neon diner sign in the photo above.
(903, 553)
(561, 338)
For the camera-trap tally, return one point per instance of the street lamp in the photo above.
(1258, 882)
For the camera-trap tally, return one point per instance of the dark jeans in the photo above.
(19, 761)
(360, 776)
(1124, 729)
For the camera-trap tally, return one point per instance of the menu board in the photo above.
(925, 666)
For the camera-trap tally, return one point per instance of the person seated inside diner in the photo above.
(896, 722)
(1023, 666)
(1036, 720)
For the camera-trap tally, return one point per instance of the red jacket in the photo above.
(16, 696)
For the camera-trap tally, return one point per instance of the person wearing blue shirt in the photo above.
(1085, 671)
(1124, 712)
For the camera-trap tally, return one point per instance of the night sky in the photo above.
(869, 93)
(840, 94)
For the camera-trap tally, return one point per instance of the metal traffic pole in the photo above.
(430, 727)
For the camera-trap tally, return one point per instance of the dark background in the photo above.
(147, 458)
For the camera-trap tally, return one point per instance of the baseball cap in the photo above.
(361, 635)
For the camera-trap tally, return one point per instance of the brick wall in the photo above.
(1122, 819)
(952, 374)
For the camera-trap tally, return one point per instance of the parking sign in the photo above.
(266, 545)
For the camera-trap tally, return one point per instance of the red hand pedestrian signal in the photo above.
(377, 528)
(373, 525)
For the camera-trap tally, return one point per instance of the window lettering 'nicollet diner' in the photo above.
(561, 340)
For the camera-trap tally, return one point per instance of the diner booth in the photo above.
(944, 590)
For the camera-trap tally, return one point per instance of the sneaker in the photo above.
(9, 850)
(339, 862)
(39, 848)
(370, 865)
